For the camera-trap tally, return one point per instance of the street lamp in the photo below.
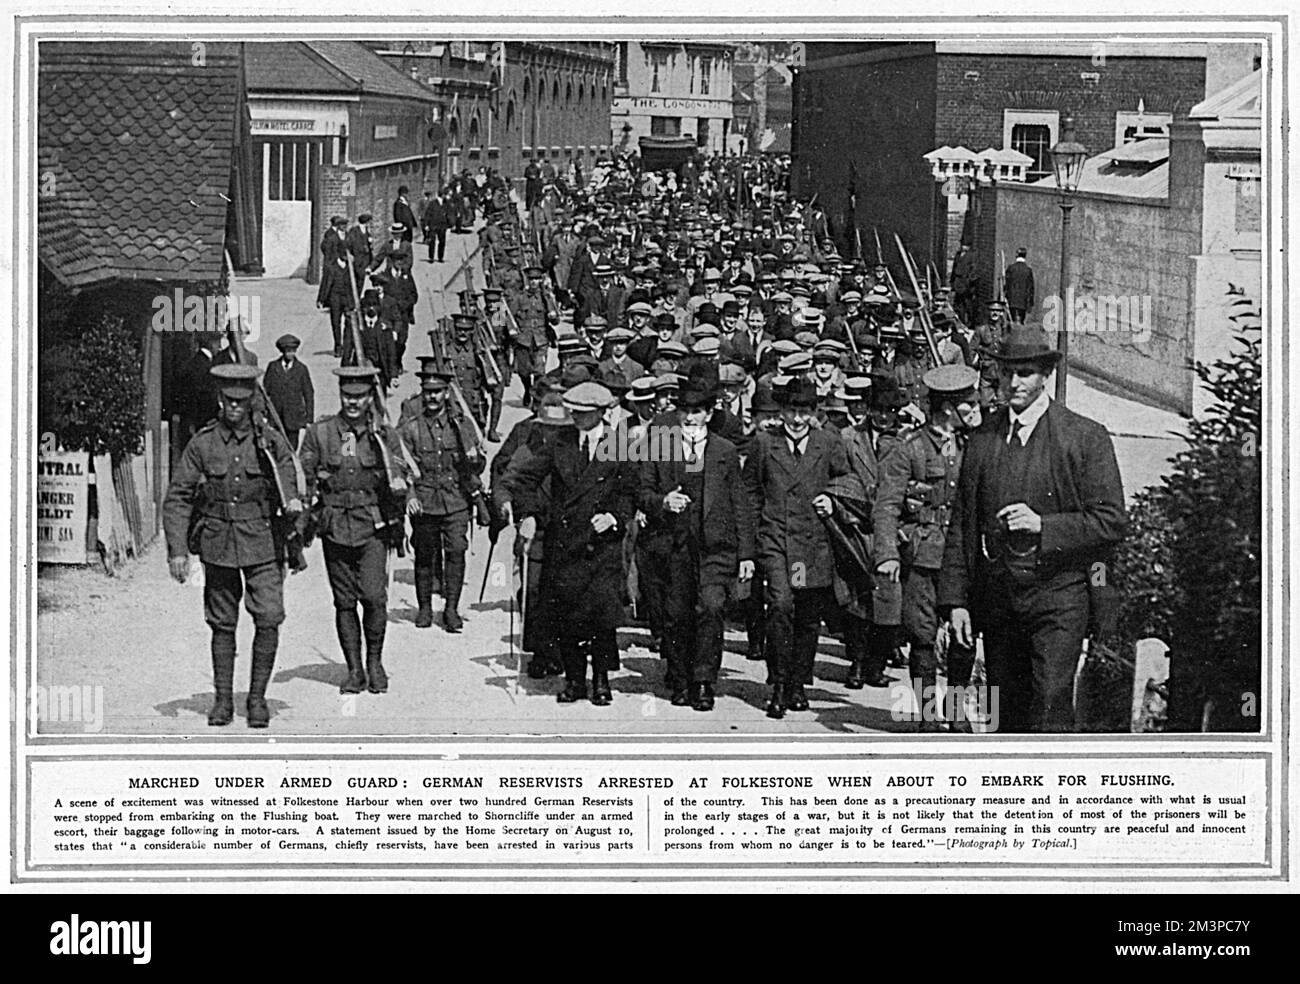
(1068, 156)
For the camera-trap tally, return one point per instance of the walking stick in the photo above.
(523, 616)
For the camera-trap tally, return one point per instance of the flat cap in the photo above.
(288, 341)
(235, 379)
(588, 396)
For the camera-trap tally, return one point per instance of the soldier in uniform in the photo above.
(448, 485)
(463, 364)
(219, 505)
(498, 330)
(361, 491)
(535, 318)
(917, 486)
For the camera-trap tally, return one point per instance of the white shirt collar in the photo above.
(1029, 417)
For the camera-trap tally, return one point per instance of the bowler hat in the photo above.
(1026, 343)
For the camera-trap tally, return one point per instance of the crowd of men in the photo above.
(738, 423)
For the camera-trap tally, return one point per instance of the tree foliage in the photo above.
(92, 390)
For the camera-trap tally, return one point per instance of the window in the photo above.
(555, 91)
(706, 68)
(291, 169)
(510, 114)
(690, 64)
(658, 69)
(1031, 133)
(528, 87)
(473, 131)
(665, 126)
(622, 62)
(1137, 126)
(702, 132)
(568, 93)
(453, 132)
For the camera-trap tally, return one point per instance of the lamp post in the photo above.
(1068, 156)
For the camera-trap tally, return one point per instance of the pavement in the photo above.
(141, 637)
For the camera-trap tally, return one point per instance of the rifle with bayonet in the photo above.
(438, 341)
(922, 311)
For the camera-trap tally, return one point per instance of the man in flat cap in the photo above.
(918, 483)
(786, 474)
(1038, 513)
(447, 487)
(289, 388)
(593, 499)
(219, 505)
(360, 490)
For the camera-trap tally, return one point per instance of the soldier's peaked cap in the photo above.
(463, 320)
(356, 379)
(951, 379)
(235, 379)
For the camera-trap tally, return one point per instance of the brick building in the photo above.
(319, 104)
(671, 89)
(880, 106)
(503, 104)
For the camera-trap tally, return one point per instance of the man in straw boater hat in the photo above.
(918, 480)
(707, 522)
(786, 474)
(219, 505)
(361, 491)
(592, 501)
(1038, 512)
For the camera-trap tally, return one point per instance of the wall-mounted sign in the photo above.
(62, 504)
(266, 125)
(689, 107)
(385, 131)
(1243, 171)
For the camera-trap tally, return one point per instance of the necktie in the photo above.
(1016, 441)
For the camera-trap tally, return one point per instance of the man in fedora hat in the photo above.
(335, 291)
(694, 494)
(1018, 286)
(786, 473)
(1038, 511)
(593, 499)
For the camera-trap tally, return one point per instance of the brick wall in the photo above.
(969, 109)
(881, 117)
(1138, 251)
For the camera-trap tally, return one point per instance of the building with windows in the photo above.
(761, 78)
(503, 104)
(671, 89)
(318, 105)
(865, 114)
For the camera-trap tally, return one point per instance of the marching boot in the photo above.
(265, 641)
(223, 678)
(494, 420)
(703, 697)
(349, 630)
(776, 704)
(453, 582)
(795, 698)
(377, 679)
(424, 597)
(575, 678)
(855, 647)
(601, 695)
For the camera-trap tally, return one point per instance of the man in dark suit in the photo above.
(435, 222)
(695, 492)
(786, 474)
(1018, 287)
(964, 280)
(593, 499)
(378, 341)
(361, 246)
(1038, 511)
(335, 290)
(582, 285)
(404, 215)
(196, 397)
(288, 386)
